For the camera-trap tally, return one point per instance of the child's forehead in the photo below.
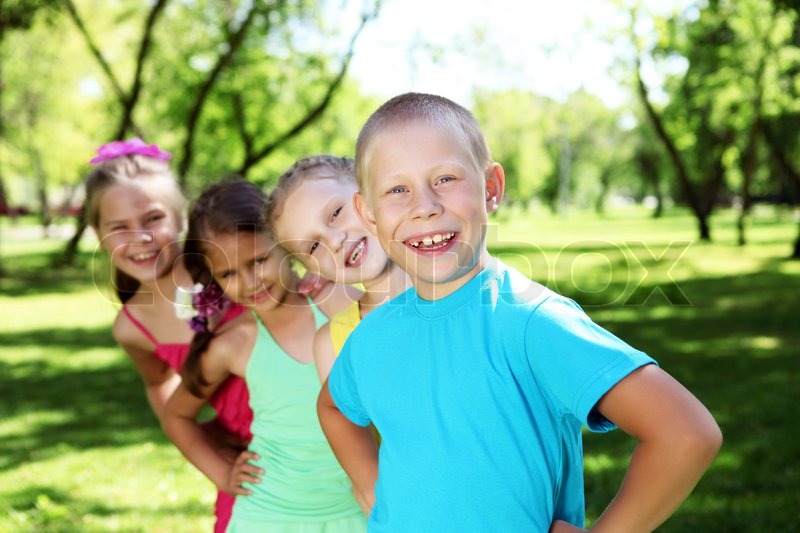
(130, 196)
(325, 182)
(428, 142)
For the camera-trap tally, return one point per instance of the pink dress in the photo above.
(231, 402)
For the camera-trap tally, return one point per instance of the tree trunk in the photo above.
(605, 184)
(703, 227)
(3, 203)
(796, 252)
(787, 165)
(71, 250)
(564, 161)
(41, 191)
(675, 157)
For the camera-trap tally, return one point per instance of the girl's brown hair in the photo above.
(224, 208)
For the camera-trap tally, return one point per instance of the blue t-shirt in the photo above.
(479, 398)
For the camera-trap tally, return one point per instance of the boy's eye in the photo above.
(397, 189)
(445, 179)
(313, 247)
(335, 213)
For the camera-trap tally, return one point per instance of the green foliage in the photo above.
(740, 58)
(59, 103)
(515, 126)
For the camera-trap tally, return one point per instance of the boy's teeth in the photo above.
(432, 239)
(143, 256)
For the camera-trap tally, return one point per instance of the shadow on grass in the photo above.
(68, 409)
(735, 348)
(81, 338)
(35, 274)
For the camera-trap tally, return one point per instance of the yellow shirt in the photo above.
(342, 324)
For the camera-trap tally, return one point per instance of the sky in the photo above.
(550, 48)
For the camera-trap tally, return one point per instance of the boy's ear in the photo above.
(495, 187)
(364, 212)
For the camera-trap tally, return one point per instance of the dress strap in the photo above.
(139, 326)
(232, 312)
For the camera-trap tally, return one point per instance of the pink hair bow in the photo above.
(129, 147)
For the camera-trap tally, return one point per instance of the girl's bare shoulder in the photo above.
(128, 335)
(234, 340)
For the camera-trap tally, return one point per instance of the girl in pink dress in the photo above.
(135, 207)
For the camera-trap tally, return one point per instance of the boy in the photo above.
(478, 379)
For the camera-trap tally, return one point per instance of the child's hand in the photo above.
(559, 526)
(243, 471)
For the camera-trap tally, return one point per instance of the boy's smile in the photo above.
(432, 243)
(429, 205)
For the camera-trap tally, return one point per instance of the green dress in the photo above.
(303, 489)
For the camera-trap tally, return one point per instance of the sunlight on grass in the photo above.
(83, 308)
(79, 489)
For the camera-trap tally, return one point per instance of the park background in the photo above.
(653, 163)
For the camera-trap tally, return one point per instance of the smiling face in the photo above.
(318, 225)
(428, 204)
(249, 268)
(139, 232)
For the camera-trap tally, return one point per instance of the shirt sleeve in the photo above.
(343, 387)
(575, 360)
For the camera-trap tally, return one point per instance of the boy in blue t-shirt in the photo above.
(478, 379)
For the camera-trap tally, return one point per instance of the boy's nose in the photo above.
(426, 204)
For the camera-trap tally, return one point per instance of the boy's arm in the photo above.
(677, 440)
(354, 446)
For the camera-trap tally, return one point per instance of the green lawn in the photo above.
(80, 450)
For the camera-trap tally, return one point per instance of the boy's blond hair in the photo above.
(410, 108)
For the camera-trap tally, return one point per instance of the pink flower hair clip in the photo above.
(207, 301)
(130, 147)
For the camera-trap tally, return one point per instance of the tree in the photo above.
(513, 124)
(231, 88)
(15, 15)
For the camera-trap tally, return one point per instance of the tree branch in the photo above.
(681, 170)
(144, 48)
(235, 40)
(241, 123)
(98, 55)
(317, 111)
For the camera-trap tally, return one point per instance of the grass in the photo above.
(80, 450)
